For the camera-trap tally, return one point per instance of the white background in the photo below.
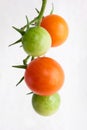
(16, 112)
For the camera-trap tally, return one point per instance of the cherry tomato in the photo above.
(57, 27)
(46, 105)
(36, 41)
(44, 76)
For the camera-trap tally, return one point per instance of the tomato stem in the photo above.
(51, 12)
(25, 60)
(32, 58)
(27, 23)
(40, 16)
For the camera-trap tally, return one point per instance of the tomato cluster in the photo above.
(43, 75)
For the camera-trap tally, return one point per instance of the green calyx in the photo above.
(35, 22)
(23, 66)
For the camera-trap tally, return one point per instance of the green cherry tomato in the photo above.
(36, 41)
(46, 105)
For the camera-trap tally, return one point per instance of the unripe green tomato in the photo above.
(36, 41)
(46, 105)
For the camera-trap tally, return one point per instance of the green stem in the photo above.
(32, 58)
(40, 16)
(25, 60)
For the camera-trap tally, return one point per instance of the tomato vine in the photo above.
(43, 75)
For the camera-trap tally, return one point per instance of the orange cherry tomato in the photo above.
(57, 27)
(44, 76)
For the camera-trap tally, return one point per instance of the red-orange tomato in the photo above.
(44, 76)
(57, 27)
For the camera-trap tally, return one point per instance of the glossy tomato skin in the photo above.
(36, 41)
(46, 105)
(44, 76)
(57, 27)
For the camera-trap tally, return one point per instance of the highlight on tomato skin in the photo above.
(57, 28)
(44, 76)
